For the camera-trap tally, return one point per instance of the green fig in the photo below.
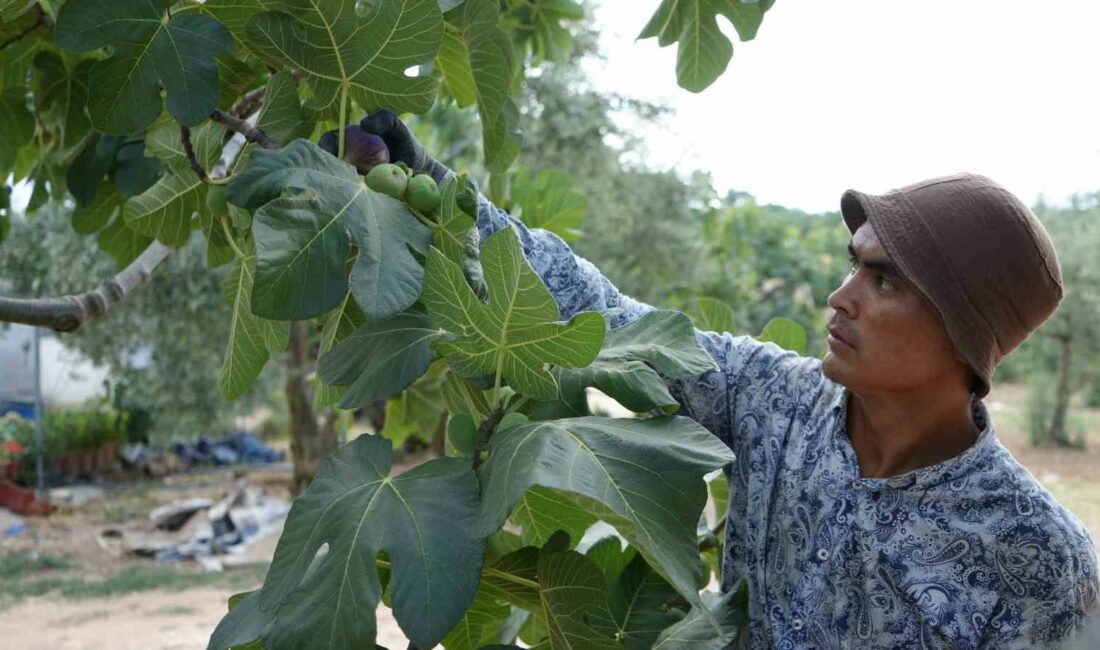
(388, 179)
(216, 201)
(422, 193)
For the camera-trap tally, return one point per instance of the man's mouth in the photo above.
(837, 340)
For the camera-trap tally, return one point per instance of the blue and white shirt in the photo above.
(969, 553)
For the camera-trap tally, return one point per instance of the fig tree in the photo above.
(362, 149)
(423, 193)
(388, 179)
(216, 201)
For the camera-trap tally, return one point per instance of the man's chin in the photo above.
(833, 368)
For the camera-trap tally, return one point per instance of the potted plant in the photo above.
(14, 433)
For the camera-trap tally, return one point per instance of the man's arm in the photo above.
(1055, 603)
(576, 284)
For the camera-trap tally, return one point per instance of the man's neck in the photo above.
(895, 434)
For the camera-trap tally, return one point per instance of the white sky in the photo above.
(875, 94)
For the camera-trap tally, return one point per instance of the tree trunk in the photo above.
(1058, 433)
(310, 443)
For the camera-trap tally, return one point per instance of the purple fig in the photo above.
(362, 149)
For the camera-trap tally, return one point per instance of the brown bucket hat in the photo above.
(976, 252)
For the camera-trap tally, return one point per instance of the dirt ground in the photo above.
(149, 620)
(180, 614)
(83, 598)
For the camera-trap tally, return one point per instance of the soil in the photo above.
(150, 620)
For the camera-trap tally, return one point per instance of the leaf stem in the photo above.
(484, 432)
(231, 238)
(520, 402)
(488, 571)
(340, 130)
(424, 220)
(496, 382)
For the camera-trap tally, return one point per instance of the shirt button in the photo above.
(796, 624)
(856, 485)
(822, 554)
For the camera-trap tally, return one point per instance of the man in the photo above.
(871, 505)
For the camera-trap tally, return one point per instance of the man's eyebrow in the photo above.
(882, 266)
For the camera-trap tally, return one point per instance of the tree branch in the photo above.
(189, 149)
(41, 20)
(250, 133)
(249, 103)
(67, 313)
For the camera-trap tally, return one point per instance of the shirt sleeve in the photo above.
(1056, 607)
(576, 284)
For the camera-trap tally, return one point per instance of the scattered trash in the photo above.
(148, 461)
(75, 495)
(203, 530)
(10, 523)
(240, 447)
(173, 516)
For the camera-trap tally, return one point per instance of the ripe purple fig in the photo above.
(362, 149)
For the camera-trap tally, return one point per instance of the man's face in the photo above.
(885, 337)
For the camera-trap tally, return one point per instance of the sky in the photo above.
(876, 94)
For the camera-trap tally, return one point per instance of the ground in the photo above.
(78, 597)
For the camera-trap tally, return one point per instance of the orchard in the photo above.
(238, 119)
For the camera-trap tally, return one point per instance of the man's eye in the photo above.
(883, 283)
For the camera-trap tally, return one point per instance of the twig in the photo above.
(484, 432)
(185, 138)
(250, 133)
(249, 103)
(67, 313)
(41, 20)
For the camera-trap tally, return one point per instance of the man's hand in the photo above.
(402, 145)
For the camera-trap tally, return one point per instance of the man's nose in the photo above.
(843, 299)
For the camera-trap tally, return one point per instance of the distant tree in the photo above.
(1067, 347)
(767, 261)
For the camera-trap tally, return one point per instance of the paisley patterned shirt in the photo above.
(969, 553)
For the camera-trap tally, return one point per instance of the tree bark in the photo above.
(1058, 433)
(310, 443)
(68, 313)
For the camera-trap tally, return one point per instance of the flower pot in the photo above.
(71, 461)
(87, 461)
(108, 454)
